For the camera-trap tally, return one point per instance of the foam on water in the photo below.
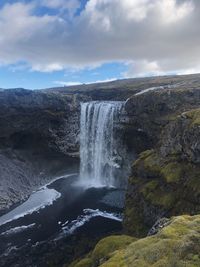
(88, 214)
(17, 230)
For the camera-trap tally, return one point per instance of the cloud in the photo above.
(149, 36)
(142, 68)
(173, 12)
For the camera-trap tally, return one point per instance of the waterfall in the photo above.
(97, 142)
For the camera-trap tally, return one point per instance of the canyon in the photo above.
(158, 151)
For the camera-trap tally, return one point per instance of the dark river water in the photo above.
(59, 222)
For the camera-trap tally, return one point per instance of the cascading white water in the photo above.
(97, 142)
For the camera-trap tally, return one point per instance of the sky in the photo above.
(51, 43)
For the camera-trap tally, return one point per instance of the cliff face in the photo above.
(44, 118)
(165, 179)
(38, 139)
(150, 112)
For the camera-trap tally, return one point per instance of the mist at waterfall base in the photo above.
(64, 219)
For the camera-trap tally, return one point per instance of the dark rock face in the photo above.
(182, 137)
(157, 119)
(165, 180)
(148, 113)
(43, 118)
(38, 139)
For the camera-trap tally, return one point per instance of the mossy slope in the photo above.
(177, 244)
(103, 250)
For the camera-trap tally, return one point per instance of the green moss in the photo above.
(172, 172)
(134, 222)
(170, 169)
(194, 116)
(151, 164)
(176, 245)
(109, 244)
(104, 250)
(162, 199)
(146, 153)
(87, 262)
(173, 246)
(149, 187)
(118, 260)
(193, 173)
(168, 184)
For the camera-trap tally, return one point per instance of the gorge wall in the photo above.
(39, 135)
(38, 140)
(165, 178)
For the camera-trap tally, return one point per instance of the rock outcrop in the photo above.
(165, 179)
(150, 112)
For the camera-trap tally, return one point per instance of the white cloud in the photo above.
(47, 68)
(152, 36)
(142, 68)
(190, 71)
(171, 12)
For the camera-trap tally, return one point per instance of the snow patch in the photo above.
(38, 200)
(58, 178)
(170, 86)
